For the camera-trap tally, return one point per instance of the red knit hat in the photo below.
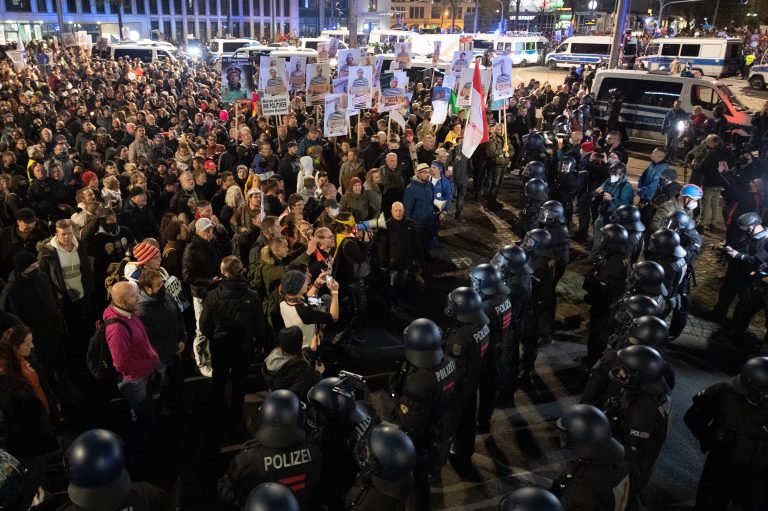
(354, 181)
(587, 147)
(144, 252)
(88, 176)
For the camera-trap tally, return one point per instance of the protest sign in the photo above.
(236, 79)
(335, 115)
(359, 86)
(502, 78)
(318, 83)
(297, 73)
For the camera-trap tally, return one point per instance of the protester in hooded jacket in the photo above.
(288, 367)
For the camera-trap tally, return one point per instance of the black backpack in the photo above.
(98, 358)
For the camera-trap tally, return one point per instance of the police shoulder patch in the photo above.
(404, 409)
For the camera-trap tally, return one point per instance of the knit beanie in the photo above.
(290, 339)
(292, 282)
(23, 260)
(144, 252)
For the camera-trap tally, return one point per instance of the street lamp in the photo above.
(592, 5)
(501, 13)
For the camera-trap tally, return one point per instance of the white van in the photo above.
(714, 56)
(254, 53)
(758, 73)
(586, 50)
(524, 50)
(388, 37)
(218, 48)
(313, 42)
(648, 96)
(146, 52)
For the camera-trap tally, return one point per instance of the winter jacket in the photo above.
(305, 144)
(621, 192)
(50, 265)
(417, 200)
(671, 120)
(290, 372)
(390, 179)
(141, 221)
(289, 170)
(372, 193)
(650, 179)
(232, 317)
(395, 244)
(133, 356)
(139, 149)
(350, 169)
(264, 277)
(200, 265)
(355, 204)
(494, 149)
(11, 244)
(708, 171)
(164, 323)
(443, 190)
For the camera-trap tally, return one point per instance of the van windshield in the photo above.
(479, 44)
(738, 105)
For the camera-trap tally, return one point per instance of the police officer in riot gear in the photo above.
(552, 220)
(386, 457)
(644, 331)
(537, 243)
(337, 421)
(534, 170)
(497, 306)
(628, 217)
(530, 499)
(468, 342)
(624, 312)
(604, 285)
(729, 421)
(536, 191)
(664, 248)
(424, 391)
(269, 496)
(534, 148)
(639, 415)
(596, 477)
(647, 278)
(690, 240)
(280, 451)
(98, 479)
(566, 184)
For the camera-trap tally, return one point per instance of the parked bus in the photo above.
(713, 56)
(524, 50)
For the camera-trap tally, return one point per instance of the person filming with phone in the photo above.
(302, 307)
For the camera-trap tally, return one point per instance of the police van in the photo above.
(523, 49)
(714, 56)
(148, 51)
(758, 74)
(648, 96)
(587, 50)
(218, 48)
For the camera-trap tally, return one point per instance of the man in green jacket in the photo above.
(497, 163)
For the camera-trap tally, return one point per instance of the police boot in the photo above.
(468, 472)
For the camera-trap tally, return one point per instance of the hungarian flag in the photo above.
(476, 129)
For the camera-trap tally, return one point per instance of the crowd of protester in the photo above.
(145, 225)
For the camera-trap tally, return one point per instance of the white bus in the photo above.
(714, 56)
(587, 50)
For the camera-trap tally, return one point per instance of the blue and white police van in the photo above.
(714, 56)
(523, 49)
(648, 96)
(587, 50)
(758, 73)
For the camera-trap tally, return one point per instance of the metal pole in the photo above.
(501, 13)
(352, 25)
(453, 14)
(60, 18)
(619, 18)
(714, 16)
(474, 30)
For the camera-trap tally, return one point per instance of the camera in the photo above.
(315, 301)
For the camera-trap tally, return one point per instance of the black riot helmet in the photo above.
(511, 259)
(537, 242)
(635, 307)
(665, 242)
(648, 277)
(748, 221)
(639, 366)
(648, 331)
(562, 125)
(614, 237)
(752, 381)
(628, 217)
(271, 496)
(96, 471)
(551, 211)
(423, 343)
(328, 406)
(536, 189)
(582, 425)
(530, 499)
(567, 164)
(281, 420)
(535, 141)
(534, 170)
(587, 99)
(466, 305)
(386, 452)
(678, 221)
(578, 114)
(487, 281)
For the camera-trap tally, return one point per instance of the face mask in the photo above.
(692, 205)
(333, 213)
(615, 179)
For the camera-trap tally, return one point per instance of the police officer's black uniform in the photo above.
(664, 248)
(537, 244)
(623, 316)
(536, 192)
(647, 278)
(729, 421)
(468, 342)
(639, 414)
(604, 285)
(424, 392)
(386, 457)
(497, 306)
(280, 453)
(337, 421)
(552, 220)
(629, 218)
(690, 240)
(565, 185)
(597, 478)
